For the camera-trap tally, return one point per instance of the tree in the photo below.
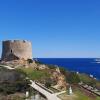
(72, 78)
(62, 70)
(30, 61)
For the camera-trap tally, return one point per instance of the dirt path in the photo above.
(67, 97)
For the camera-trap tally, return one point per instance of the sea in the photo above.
(90, 66)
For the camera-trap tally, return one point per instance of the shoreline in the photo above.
(72, 64)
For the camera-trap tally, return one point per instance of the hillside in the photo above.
(53, 77)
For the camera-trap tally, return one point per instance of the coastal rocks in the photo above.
(57, 69)
(60, 80)
(19, 64)
(25, 64)
(42, 67)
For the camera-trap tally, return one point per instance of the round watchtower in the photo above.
(16, 50)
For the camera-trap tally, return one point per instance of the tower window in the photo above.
(11, 51)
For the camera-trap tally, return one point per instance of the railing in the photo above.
(90, 90)
(48, 90)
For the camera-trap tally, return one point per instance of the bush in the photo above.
(62, 70)
(30, 61)
(52, 66)
(36, 74)
(12, 81)
(87, 80)
(72, 78)
(48, 83)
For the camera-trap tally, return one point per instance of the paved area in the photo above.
(60, 93)
(48, 95)
(8, 67)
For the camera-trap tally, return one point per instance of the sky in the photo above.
(56, 28)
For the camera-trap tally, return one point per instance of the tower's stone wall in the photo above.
(16, 49)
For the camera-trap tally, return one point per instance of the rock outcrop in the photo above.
(59, 78)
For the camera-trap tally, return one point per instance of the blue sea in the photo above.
(89, 66)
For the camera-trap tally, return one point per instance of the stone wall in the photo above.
(16, 49)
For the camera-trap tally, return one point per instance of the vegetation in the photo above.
(84, 95)
(37, 62)
(48, 83)
(35, 74)
(63, 70)
(72, 78)
(98, 84)
(12, 81)
(30, 61)
(52, 66)
(78, 94)
(12, 97)
(89, 81)
(81, 96)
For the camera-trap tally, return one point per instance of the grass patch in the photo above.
(98, 98)
(85, 78)
(78, 94)
(81, 96)
(35, 74)
(89, 81)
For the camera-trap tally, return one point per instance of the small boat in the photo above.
(97, 60)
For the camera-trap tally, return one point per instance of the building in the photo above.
(16, 50)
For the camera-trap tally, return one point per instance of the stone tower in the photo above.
(16, 50)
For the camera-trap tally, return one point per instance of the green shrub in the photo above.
(30, 61)
(52, 66)
(35, 74)
(48, 83)
(62, 70)
(87, 80)
(72, 78)
(12, 81)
